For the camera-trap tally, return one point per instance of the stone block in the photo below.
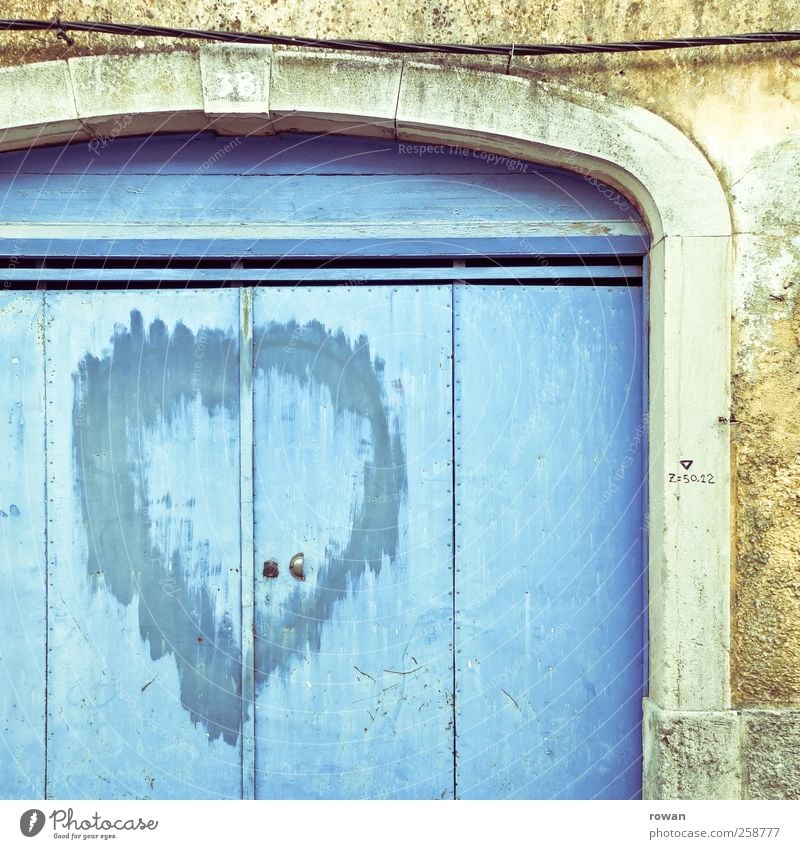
(334, 92)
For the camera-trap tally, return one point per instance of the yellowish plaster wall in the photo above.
(741, 106)
(767, 445)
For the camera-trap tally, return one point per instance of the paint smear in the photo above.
(145, 390)
(150, 381)
(310, 354)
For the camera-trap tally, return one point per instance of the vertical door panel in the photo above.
(144, 582)
(549, 477)
(352, 409)
(22, 547)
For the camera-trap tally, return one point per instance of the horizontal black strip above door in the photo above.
(626, 275)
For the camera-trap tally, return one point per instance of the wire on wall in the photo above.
(512, 50)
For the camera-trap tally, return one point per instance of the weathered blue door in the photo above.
(370, 681)
(363, 518)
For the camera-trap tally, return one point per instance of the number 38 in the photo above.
(240, 85)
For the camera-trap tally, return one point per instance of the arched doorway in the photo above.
(101, 98)
(444, 415)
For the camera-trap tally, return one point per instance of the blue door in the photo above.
(354, 510)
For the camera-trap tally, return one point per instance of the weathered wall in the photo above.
(741, 106)
(446, 20)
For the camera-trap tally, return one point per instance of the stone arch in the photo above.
(237, 89)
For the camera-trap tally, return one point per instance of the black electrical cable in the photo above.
(62, 27)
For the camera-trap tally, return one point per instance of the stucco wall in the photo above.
(740, 105)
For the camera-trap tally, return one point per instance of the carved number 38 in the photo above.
(240, 85)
